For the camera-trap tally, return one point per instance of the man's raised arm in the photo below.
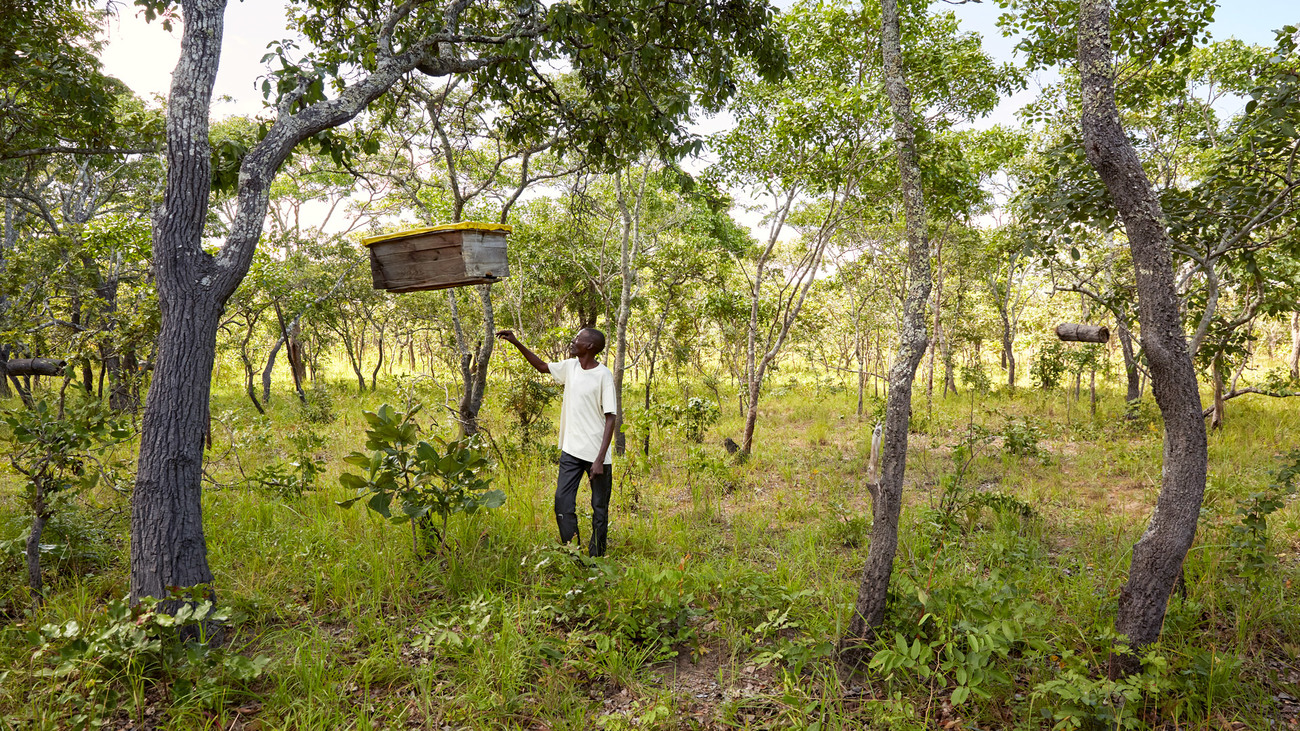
(532, 358)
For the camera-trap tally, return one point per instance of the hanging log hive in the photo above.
(438, 257)
(1076, 333)
(35, 367)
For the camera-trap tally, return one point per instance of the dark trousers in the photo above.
(566, 494)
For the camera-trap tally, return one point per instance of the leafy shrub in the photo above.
(61, 453)
(692, 420)
(1020, 437)
(526, 399)
(975, 377)
(632, 605)
(319, 405)
(1049, 365)
(964, 633)
(91, 670)
(696, 417)
(294, 478)
(1077, 698)
(427, 479)
(1248, 539)
(846, 528)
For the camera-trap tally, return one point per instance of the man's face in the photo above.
(582, 344)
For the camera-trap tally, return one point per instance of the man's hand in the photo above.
(597, 468)
(540, 365)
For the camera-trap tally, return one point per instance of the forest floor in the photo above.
(722, 596)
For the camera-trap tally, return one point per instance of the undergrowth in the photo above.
(725, 589)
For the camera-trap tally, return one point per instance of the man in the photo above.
(587, 418)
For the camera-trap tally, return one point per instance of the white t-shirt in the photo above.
(588, 396)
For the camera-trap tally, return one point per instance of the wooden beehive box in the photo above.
(438, 257)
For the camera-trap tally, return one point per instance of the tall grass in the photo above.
(725, 583)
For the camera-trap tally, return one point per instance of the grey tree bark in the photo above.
(1158, 556)
(629, 252)
(167, 542)
(1131, 374)
(887, 493)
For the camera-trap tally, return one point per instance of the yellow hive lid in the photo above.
(463, 225)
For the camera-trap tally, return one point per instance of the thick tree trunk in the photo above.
(1158, 556)
(887, 494)
(167, 544)
(4, 368)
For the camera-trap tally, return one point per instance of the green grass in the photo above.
(724, 587)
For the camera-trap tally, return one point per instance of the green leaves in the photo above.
(424, 477)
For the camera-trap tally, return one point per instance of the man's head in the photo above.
(588, 341)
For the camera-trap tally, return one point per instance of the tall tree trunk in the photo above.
(374, 375)
(167, 544)
(887, 494)
(862, 366)
(1158, 556)
(628, 253)
(756, 364)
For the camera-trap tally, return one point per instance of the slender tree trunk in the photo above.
(1092, 392)
(755, 364)
(937, 341)
(40, 514)
(474, 367)
(1294, 360)
(1008, 350)
(887, 494)
(1216, 371)
(353, 350)
(374, 375)
(628, 252)
(1158, 556)
(862, 367)
(650, 377)
(1131, 373)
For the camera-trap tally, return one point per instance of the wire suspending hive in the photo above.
(438, 257)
